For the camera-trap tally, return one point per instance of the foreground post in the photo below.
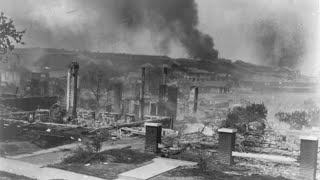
(153, 137)
(72, 89)
(227, 139)
(308, 157)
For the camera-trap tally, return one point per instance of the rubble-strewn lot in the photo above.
(19, 137)
(200, 145)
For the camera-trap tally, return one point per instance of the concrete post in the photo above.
(194, 98)
(153, 137)
(141, 99)
(72, 89)
(227, 138)
(308, 157)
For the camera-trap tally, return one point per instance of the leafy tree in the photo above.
(8, 33)
(241, 117)
(299, 119)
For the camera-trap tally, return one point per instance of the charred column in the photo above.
(194, 98)
(163, 93)
(153, 109)
(117, 91)
(141, 99)
(172, 103)
(72, 89)
(164, 74)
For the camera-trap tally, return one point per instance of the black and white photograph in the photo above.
(159, 89)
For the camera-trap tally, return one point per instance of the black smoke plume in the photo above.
(157, 27)
(177, 18)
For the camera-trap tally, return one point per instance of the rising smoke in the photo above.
(176, 19)
(139, 26)
(268, 32)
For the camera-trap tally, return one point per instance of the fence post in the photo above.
(308, 157)
(153, 137)
(227, 138)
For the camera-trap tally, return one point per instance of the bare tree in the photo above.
(98, 84)
(8, 33)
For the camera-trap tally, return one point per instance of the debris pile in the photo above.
(87, 118)
(277, 144)
(57, 113)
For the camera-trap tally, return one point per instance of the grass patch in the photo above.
(106, 164)
(101, 170)
(125, 155)
(10, 176)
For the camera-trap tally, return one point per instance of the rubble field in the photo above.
(19, 137)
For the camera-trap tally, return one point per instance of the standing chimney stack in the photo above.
(72, 89)
(143, 79)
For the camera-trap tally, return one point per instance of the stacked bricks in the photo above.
(227, 138)
(308, 157)
(153, 137)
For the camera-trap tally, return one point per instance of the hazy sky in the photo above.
(259, 31)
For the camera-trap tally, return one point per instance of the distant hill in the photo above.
(59, 59)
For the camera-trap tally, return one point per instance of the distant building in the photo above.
(36, 84)
(10, 73)
(10, 77)
(215, 86)
(194, 74)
